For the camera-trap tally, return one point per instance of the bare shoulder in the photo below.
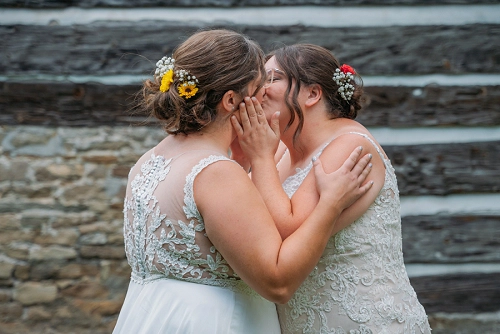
(221, 184)
(344, 144)
(222, 173)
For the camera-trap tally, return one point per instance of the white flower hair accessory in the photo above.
(187, 88)
(343, 76)
(165, 71)
(163, 66)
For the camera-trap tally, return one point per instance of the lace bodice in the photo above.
(164, 232)
(360, 284)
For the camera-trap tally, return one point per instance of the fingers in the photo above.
(351, 161)
(245, 121)
(364, 189)
(250, 110)
(362, 177)
(236, 125)
(361, 165)
(261, 117)
(318, 168)
(275, 123)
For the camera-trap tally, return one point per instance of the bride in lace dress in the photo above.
(360, 284)
(203, 248)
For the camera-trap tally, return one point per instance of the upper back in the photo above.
(163, 230)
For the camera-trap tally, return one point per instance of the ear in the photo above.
(314, 95)
(229, 101)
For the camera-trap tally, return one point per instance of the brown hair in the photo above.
(312, 64)
(221, 60)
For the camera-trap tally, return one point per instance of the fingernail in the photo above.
(370, 165)
(314, 159)
(254, 98)
(371, 182)
(361, 148)
(370, 155)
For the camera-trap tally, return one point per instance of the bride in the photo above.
(205, 253)
(360, 284)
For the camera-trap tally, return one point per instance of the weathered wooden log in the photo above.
(444, 169)
(451, 239)
(68, 104)
(432, 105)
(94, 104)
(458, 293)
(105, 48)
(222, 3)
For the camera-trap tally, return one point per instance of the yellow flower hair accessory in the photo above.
(187, 88)
(165, 71)
(167, 80)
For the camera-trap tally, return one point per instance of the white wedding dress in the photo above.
(360, 284)
(180, 283)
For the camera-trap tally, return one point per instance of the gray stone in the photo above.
(6, 270)
(52, 253)
(31, 293)
(10, 312)
(93, 239)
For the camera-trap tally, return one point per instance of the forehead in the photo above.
(271, 63)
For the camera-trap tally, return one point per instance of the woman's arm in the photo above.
(288, 213)
(241, 228)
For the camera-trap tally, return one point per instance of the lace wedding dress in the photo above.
(180, 283)
(360, 284)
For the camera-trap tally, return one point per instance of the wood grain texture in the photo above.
(107, 48)
(458, 293)
(444, 169)
(94, 104)
(451, 238)
(68, 104)
(432, 105)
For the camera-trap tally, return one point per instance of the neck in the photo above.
(317, 129)
(216, 137)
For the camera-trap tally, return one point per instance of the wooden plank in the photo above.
(451, 239)
(68, 104)
(106, 48)
(458, 293)
(224, 3)
(431, 105)
(94, 104)
(444, 169)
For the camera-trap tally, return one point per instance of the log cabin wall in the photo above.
(68, 73)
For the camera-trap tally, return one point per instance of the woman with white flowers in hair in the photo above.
(199, 239)
(360, 284)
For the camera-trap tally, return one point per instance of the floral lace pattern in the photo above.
(360, 285)
(158, 247)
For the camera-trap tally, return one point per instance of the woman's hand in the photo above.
(346, 184)
(238, 155)
(257, 139)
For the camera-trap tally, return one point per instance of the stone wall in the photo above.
(62, 261)
(68, 139)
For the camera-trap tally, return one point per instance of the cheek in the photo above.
(259, 95)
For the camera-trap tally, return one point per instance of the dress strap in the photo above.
(190, 208)
(379, 151)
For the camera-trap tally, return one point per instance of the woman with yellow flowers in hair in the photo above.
(205, 254)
